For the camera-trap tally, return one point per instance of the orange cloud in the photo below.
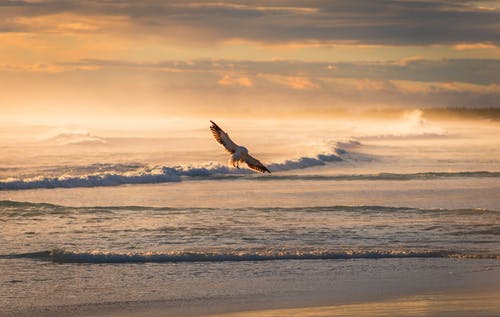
(61, 38)
(408, 60)
(301, 83)
(242, 81)
(291, 9)
(295, 82)
(474, 46)
(62, 23)
(413, 87)
(369, 84)
(38, 68)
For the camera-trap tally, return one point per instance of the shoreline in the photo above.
(478, 299)
(440, 304)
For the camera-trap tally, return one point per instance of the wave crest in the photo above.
(215, 171)
(17, 208)
(62, 256)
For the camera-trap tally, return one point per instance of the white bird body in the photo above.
(239, 154)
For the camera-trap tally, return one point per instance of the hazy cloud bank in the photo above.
(386, 22)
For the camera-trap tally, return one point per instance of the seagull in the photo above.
(239, 153)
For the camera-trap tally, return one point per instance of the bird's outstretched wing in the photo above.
(223, 138)
(255, 164)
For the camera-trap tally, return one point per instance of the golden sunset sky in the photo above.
(75, 59)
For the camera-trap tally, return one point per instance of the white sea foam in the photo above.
(411, 125)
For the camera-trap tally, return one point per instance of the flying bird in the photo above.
(239, 153)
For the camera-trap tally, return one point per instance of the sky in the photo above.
(126, 59)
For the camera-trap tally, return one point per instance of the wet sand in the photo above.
(481, 302)
(438, 305)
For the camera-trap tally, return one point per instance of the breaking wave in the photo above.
(62, 256)
(217, 172)
(158, 174)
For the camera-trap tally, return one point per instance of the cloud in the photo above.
(301, 83)
(228, 80)
(294, 82)
(102, 58)
(111, 87)
(475, 71)
(474, 46)
(249, 7)
(386, 22)
(412, 87)
(63, 23)
(39, 68)
(409, 60)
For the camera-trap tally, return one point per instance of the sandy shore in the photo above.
(484, 304)
(425, 287)
(467, 304)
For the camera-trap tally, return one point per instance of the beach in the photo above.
(249, 158)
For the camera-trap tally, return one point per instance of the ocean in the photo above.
(354, 211)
